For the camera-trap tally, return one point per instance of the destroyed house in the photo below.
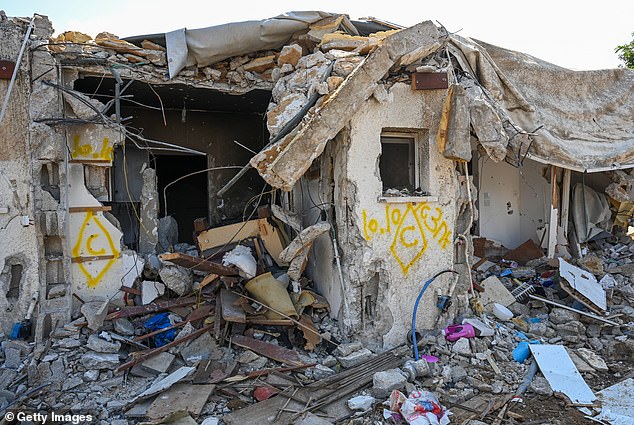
(356, 159)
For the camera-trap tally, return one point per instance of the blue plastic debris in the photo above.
(160, 321)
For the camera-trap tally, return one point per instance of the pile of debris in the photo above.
(223, 333)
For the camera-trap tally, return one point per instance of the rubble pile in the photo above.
(237, 351)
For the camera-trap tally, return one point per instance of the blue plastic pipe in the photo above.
(420, 295)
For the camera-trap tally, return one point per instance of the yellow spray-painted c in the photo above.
(85, 241)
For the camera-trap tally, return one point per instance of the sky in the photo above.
(579, 35)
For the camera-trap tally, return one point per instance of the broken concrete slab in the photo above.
(283, 163)
(159, 363)
(305, 237)
(95, 312)
(165, 383)
(180, 398)
(124, 326)
(592, 359)
(12, 358)
(178, 279)
(151, 290)
(384, 382)
(617, 403)
(495, 292)
(356, 358)
(101, 345)
(92, 360)
(202, 348)
(290, 54)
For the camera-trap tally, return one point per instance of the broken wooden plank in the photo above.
(213, 371)
(312, 338)
(333, 390)
(231, 309)
(180, 398)
(224, 235)
(272, 351)
(197, 263)
(151, 308)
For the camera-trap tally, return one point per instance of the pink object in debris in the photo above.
(455, 332)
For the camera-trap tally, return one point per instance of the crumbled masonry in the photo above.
(233, 225)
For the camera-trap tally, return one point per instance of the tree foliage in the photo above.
(626, 53)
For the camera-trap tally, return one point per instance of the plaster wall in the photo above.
(18, 244)
(391, 248)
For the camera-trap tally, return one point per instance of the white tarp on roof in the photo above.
(586, 117)
(206, 46)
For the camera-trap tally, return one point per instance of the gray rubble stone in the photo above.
(384, 382)
(92, 360)
(592, 359)
(541, 386)
(355, 358)
(167, 233)
(177, 278)
(348, 348)
(12, 358)
(119, 422)
(69, 343)
(91, 375)
(560, 316)
(321, 372)
(210, 421)
(462, 347)
(202, 348)
(123, 326)
(101, 345)
(458, 374)
(72, 382)
(361, 402)
(159, 363)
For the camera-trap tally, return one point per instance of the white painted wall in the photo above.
(499, 203)
(512, 201)
(396, 240)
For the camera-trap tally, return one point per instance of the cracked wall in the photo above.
(391, 248)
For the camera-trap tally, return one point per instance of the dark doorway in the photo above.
(187, 198)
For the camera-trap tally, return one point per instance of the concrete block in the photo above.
(355, 358)
(383, 383)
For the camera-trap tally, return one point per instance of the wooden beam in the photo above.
(554, 212)
(565, 201)
(197, 263)
(86, 209)
(94, 258)
(90, 161)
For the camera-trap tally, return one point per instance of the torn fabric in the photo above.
(585, 116)
(206, 46)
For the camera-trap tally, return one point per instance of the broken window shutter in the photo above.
(453, 130)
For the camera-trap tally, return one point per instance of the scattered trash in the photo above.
(420, 408)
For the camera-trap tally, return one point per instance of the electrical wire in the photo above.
(227, 167)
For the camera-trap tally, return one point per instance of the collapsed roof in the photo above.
(581, 120)
(518, 106)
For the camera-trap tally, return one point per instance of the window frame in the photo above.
(420, 137)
